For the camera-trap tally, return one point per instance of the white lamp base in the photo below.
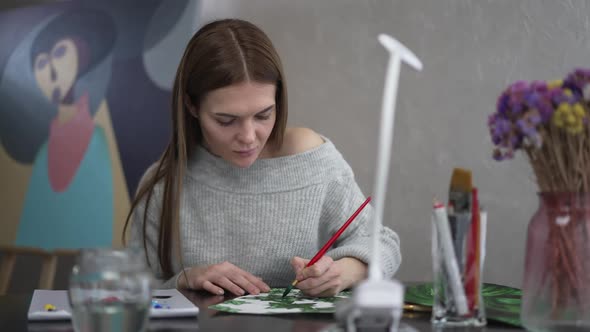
(375, 305)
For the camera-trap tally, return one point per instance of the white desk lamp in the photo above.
(376, 303)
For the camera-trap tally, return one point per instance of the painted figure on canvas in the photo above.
(70, 191)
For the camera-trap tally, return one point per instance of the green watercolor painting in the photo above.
(274, 303)
(501, 303)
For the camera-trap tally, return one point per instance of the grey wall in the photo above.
(471, 50)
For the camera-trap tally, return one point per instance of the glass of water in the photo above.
(110, 290)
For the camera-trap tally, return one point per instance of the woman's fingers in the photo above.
(247, 281)
(315, 282)
(211, 288)
(330, 288)
(258, 283)
(317, 269)
(226, 276)
(298, 265)
(226, 283)
(243, 282)
(328, 283)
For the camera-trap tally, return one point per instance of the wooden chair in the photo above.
(48, 265)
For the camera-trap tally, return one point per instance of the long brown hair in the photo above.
(220, 54)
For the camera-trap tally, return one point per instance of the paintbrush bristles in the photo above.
(461, 180)
(288, 290)
(460, 190)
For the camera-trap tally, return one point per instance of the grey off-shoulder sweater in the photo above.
(258, 218)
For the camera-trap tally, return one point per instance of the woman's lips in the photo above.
(246, 153)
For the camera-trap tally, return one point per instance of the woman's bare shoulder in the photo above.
(299, 140)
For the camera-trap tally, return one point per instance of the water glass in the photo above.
(110, 290)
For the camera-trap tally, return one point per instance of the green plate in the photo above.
(502, 303)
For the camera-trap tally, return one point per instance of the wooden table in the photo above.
(13, 318)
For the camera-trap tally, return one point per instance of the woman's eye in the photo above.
(225, 123)
(263, 117)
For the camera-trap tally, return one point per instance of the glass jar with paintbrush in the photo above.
(458, 237)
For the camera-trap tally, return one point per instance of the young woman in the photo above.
(237, 198)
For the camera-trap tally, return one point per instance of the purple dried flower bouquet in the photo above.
(549, 121)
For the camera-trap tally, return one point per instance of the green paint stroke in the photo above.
(235, 302)
(221, 307)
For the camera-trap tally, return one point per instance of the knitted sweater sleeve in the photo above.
(343, 197)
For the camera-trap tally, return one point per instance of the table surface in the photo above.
(14, 307)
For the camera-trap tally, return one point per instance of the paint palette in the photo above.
(54, 305)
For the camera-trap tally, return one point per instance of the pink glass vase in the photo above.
(556, 285)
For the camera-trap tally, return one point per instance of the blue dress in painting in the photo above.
(69, 202)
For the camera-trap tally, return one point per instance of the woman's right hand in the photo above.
(217, 278)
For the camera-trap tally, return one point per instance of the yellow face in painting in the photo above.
(56, 71)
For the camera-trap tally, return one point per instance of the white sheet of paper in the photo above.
(274, 303)
(175, 306)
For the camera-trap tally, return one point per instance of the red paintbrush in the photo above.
(329, 243)
(473, 266)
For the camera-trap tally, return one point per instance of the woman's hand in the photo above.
(327, 277)
(217, 278)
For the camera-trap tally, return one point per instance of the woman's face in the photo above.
(237, 120)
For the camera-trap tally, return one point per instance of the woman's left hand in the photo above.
(327, 277)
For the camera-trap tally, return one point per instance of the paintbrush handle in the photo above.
(337, 234)
(473, 265)
(440, 223)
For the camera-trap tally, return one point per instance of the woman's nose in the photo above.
(247, 133)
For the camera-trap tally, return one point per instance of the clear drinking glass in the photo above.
(110, 290)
